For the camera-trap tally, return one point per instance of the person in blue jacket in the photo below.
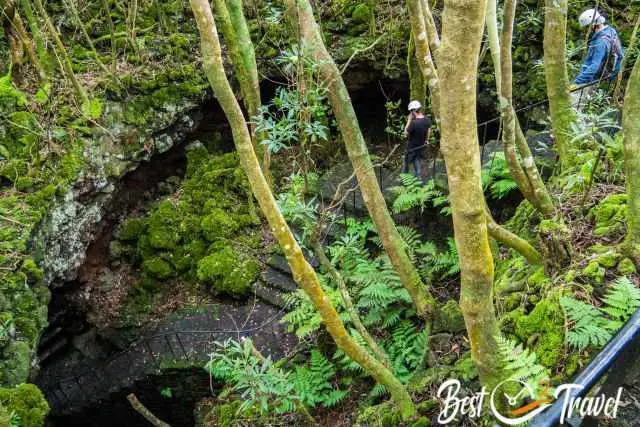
(604, 57)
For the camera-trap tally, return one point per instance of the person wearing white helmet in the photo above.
(417, 131)
(604, 57)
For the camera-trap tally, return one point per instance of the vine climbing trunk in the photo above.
(303, 273)
(462, 28)
(357, 151)
(555, 71)
(631, 129)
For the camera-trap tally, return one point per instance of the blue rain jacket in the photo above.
(601, 50)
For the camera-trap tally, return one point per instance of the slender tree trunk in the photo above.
(423, 54)
(494, 41)
(417, 83)
(432, 30)
(236, 33)
(146, 413)
(555, 70)
(112, 31)
(348, 303)
(27, 42)
(356, 147)
(38, 38)
(16, 47)
(462, 30)
(632, 47)
(534, 185)
(631, 127)
(501, 54)
(81, 95)
(303, 273)
(132, 18)
(79, 24)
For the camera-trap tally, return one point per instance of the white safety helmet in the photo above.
(591, 17)
(415, 105)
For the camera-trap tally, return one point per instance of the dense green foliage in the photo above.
(25, 404)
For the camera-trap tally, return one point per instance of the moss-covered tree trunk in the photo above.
(303, 273)
(417, 17)
(555, 71)
(526, 173)
(236, 33)
(631, 128)
(417, 83)
(359, 156)
(462, 30)
(432, 30)
(633, 40)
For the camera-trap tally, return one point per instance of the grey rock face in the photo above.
(62, 238)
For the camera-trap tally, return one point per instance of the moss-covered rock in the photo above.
(544, 329)
(610, 216)
(15, 363)
(228, 272)
(608, 259)
(27, 402)
(130, 229)
(218, 224)
(594, 272)
(465, 368)
(158, 268)
(449, 318)
(626, 267)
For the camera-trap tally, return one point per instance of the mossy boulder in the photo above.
(610, 216)
(15, 362)
(594, 272)
(449, 319)
(608, 259)
(228, 272)
(465, 368)
(158, 268)
(543, 328)
(361, 13)
(626, 267)
(218, 224)
(27, 402)
(130, 229)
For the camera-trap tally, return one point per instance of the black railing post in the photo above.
(186, 356)
(166, 339)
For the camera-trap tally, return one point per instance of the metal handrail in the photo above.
(599, 366)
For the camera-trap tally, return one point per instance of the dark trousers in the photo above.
(412, 158)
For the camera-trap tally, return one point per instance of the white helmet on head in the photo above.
(415, 105)
(591, 17)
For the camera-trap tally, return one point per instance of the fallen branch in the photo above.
(147, 414)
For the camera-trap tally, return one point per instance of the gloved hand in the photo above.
(573, 87)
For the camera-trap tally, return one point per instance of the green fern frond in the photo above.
(589, 325)
(622, 299)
